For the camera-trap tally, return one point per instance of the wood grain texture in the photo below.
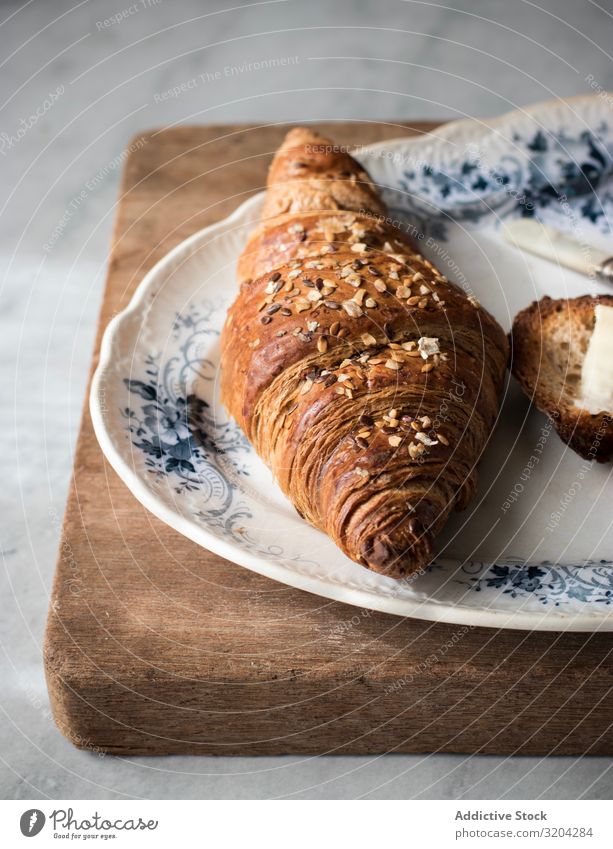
(155, 645)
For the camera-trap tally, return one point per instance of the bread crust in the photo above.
(374, 440)
(548, 342)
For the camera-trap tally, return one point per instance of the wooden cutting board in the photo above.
(155, 645)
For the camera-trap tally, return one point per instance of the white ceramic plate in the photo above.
(535, 549)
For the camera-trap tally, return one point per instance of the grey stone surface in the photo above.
(389, 60)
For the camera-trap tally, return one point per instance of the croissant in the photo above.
(366, 381)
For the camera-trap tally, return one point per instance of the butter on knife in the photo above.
(558, 247)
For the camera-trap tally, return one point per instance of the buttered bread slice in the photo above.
(562, 357)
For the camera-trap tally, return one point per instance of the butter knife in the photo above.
(558, 247)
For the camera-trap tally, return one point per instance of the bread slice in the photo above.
(549, 342)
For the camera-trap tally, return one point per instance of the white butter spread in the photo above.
(597, 370)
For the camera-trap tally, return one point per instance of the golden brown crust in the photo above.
(372, 433)
(310, 173)
(285, 237)
(549, 341)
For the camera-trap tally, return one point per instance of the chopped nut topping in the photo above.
(352, 309)
(428, 345)
(392, 364)
(425, 439)
(416, 449)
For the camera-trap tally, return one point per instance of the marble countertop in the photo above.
(78, 80)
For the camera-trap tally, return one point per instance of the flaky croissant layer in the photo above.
(365, 379)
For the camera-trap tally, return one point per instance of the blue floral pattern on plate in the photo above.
(544, 171)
